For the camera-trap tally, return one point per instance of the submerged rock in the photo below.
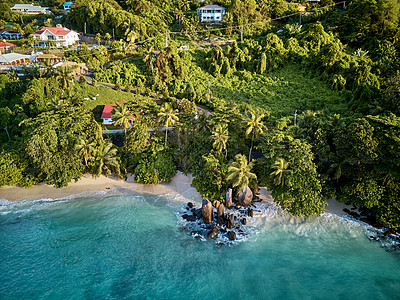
(245, 196)
(250, 213)
(198, 213)
(207, 211)
(213, 233)
(232, 235)
(190, 205)
(228, 198)
(244, 221)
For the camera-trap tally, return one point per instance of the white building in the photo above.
(211, 13)
(30, 9)
(9, 34)
(62, 36)
(67, 6)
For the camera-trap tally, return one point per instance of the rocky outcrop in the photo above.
(207, 211)
(213, 233)
(228, 198)
(232, 235)
(220, 214)
(216, 204)
(245, 196)
(250, 213)
(231, 221)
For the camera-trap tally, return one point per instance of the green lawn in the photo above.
(106, 96)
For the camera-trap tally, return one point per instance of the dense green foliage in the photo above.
(317, 105)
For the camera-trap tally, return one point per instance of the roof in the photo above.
(10, 57)
(301, 6)
(108, 108)
(8, 31)
(68, 3)
(53, 30)
(6, 44)
(29, 7)
(212, 6)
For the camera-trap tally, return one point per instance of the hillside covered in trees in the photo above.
(313, 110)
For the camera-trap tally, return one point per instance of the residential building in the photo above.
(59, 36)
(211, 13)
(67, 6)
(107, 113)
(9, 34)
(30, 9)
(5, 46)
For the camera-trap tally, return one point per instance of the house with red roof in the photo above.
(59, 36)
(5, 46)
(107, 113)
(211, 13)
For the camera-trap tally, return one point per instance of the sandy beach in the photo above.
(179, 185)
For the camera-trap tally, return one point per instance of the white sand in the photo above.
(179, 185)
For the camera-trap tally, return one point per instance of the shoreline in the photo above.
(179, 185)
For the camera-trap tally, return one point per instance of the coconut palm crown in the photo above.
(239, 172)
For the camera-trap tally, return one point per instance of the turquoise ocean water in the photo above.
(134, 247)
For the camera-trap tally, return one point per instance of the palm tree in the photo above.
(255, 127)
(105, 159)
(169, 117)
(220, 136)
(239, 172)
(85, 149)
(123, 117)
(63, 75)
(281, 171)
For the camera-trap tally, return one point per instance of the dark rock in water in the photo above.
(231, 221)
(185, 216)
(250, 213)
(228, 198)
(198, 213)
(207, 211)
(190, 205)
(346, 210)
(216, 204)
(193, 210)
(232, 235)
(213, 233)
(245, 196)
(238, 206)
(221, 220)
(191, 218)
(244, 221)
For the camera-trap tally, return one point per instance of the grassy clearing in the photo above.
(107, 95)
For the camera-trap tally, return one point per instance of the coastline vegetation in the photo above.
(312, 112)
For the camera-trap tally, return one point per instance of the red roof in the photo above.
(53, 30)
(107, 111)
(6, 44)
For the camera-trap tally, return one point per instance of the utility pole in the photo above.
(114, 34)
(241, 33)
(295, 117)
(166, 40)
(84, 28)
(5, 128)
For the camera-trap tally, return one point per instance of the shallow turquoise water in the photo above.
(133, 247)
